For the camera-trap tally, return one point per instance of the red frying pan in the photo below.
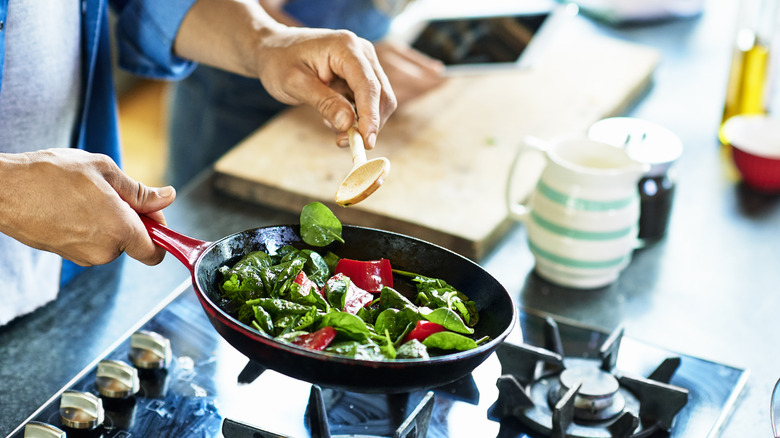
(497, 311)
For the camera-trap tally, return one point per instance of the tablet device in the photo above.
(479, 42)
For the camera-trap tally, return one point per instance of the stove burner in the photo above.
(415, 425)
(580, 397)
(597, 397)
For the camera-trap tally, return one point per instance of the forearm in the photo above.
(227, 34)
(10, 164)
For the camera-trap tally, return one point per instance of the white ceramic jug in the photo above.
(582, 216)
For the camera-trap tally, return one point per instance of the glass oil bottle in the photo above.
(749, 85)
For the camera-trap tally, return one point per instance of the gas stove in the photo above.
(174, 376)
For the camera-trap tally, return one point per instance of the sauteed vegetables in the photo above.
(346, 307)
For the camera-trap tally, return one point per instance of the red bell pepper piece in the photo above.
(305, 283)
(316, 340)
(371, 275)
(423, 329)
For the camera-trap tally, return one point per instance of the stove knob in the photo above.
(149, 350)
(81, 410)
(116, 379)
(36, 429)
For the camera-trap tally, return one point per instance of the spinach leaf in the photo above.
(331, 260)
(251, 262)
(335, 291)
(237, 291)
(286, 253)
(246, 313)
(263, 321)
(257, 327)
(346, 324)
(449, 341)
(400, 339)
(268, 275)
(284, 277)
(413, 349)
(280, 307)
(386, 347)
(242, 281)
(315, 267)
(391, 298)
(392, 321)
(368, 314)
(286, 323)
(435, 293)
(446, 317)
(310, 319)
(357, 350)
(468, 309)
(319, 226)
(309, 298)
(276, 279)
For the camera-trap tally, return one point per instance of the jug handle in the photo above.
(518, 209)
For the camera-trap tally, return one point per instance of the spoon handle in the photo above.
(356, 147)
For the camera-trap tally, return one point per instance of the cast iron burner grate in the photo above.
(414, 426)
(578, 397)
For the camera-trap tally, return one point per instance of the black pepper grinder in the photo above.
(657, 146)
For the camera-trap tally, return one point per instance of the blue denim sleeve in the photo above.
(145, 31)
(360, 16)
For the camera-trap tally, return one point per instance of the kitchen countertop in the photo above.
(709, 289)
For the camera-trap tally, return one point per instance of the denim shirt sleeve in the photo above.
(360, 16)
(145, 31)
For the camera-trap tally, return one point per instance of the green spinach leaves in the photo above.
(319, 226)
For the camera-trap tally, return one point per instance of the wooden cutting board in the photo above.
(451, 149)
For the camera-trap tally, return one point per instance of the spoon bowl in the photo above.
(365, 176)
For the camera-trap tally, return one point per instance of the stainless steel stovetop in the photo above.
(208, 384)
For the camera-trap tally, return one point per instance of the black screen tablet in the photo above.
(479, 40)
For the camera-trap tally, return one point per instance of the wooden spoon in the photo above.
(365, 176)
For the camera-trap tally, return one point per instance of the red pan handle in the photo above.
(187, 249)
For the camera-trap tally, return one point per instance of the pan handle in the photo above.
(184, 248)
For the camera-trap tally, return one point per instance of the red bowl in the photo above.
(755, 146)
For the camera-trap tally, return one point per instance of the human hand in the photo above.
(411, 72)
(312, 66)
(78, 205)
(331, 70)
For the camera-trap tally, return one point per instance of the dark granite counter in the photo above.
(710, 289)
